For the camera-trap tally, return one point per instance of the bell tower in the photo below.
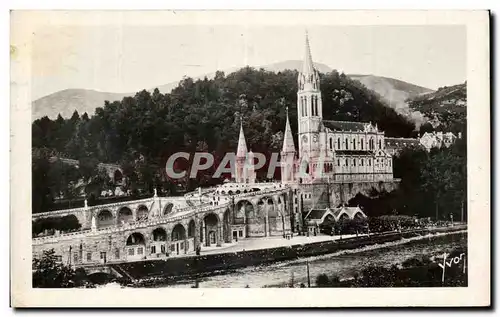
(309, 106)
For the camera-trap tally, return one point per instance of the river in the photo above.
(344, 264)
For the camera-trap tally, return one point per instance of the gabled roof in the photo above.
(349, 211)
(316, 214)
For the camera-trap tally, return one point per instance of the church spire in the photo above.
(288, 145)
(242, 144)
(307, 66)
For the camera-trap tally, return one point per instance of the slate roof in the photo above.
(344, 125)
(347, 152)
(316, 214)
(400, 142)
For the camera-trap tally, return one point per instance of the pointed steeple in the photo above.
(307, 66)
(308, 77)
(288, 145)
(242, 144)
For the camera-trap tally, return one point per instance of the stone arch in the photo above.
(117, 176)
(327, 224)
(178, 233)
(159, 234)
(178, 240)
(168, 209)
(191, 229)
(105, 219)
(136, 238)
(211, 225)
(343, 216)
(142, 213)
(125, 215)
(244, 208)
(329, 220)
(135, 246)
(230, 192)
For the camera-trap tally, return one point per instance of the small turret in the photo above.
(242, 144)
(288, 144)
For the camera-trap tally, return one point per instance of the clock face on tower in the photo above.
(304, 139)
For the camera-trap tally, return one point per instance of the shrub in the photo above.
(63, 224)
(322, 280)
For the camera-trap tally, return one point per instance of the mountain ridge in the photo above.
(65, 102)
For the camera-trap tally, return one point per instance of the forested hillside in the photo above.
(445, 108)
(204, 115)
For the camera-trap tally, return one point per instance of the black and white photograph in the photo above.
(250, 155)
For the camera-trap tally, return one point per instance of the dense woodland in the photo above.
(141, 132)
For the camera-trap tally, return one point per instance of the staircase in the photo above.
(119, 271)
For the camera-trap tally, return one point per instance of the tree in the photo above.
(440, 179)
(426, 127)
(49, 273)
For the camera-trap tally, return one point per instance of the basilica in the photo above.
(328, 151)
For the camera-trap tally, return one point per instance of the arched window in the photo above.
(338, 162)
(354, 144)
(331, 143)
(369, 162)
(362, 143)
(346, 144)
(316, 105)
(338, 143)
(346, 162)
(379, 144)
(354, 162)
(362, 162)
(305, 105)
(312, 106)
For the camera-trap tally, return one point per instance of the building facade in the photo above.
(330, 150)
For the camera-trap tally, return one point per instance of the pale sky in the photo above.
(130, 58)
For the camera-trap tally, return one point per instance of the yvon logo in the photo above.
(456, 260)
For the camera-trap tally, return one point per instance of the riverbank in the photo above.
(418, 271)
(151, 273)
